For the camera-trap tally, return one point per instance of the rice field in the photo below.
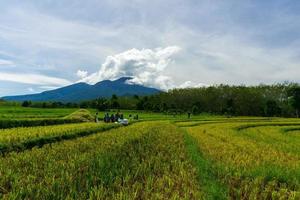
(18, 112)
(142, 161)
(251, 160)
(18, 139)
(157, 157)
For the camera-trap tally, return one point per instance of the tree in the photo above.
(84, 104)
(294, 96)
(101, 104)
(272, 108)
(26, 103)
(195, 109)
(140, 105)
(114, 97)
(230, 107)
(164, 107)
(114, 101)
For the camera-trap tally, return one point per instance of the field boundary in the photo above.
(230, 119)
(205, 122)
(286, 130)
(40, 142)
(206, 177)
(197, 124)
(246, 126)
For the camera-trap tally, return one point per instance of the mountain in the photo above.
(83, 91)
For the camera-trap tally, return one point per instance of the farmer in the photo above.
(106, 118)
(112, 118)
(189, 115)
(96, 117)
(117, 116)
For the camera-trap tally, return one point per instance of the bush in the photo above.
(34, 122)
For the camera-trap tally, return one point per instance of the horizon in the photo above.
(160, 90)
(47, 45)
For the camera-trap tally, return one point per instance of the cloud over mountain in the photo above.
(6, 62)
(230, 42)
(145, 66)
(81, 73)
(34, 79)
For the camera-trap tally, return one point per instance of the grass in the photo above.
(210, 186)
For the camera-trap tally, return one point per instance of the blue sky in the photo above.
(172, 43)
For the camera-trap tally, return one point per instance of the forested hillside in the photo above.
(263, 100)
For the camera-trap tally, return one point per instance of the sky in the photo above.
(164, 44)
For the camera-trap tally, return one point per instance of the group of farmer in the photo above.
(113, 117)
(117, 117)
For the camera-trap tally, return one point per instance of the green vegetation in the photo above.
(19, 139)
(22, 117)
(17, 112)
(142, 161)
(82, 115)
(210, 186)
(258, 161)
(281, 100)
(294, 93)
(263, 100)
(6, 123)
(159, 156)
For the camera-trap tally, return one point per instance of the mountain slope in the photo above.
(83, 91)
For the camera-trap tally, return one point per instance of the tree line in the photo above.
(282, 100)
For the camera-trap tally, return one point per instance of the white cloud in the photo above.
(46, 87)
(6, 63)
(145, 66)
(30, 89)
(219, 44)
(34, 79)
(190, 84)
(82, 74)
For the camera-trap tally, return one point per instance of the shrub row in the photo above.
(8, 123)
